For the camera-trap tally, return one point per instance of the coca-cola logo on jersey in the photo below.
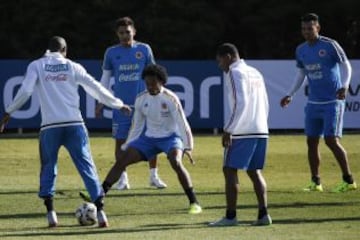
(56, 78)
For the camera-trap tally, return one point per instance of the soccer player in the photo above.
(324, 63)
(125, 61)
(56, 80)
(245, 132)
(159, 125)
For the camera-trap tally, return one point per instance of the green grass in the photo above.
(145, 213)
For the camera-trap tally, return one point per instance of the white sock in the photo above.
(154, 172)
(124, 176)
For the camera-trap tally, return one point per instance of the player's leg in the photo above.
(155, 180)
(130, 156)
(313, 130)
(175, 159)
(138, 150)
(50, 141)
(231, 191)
(259, 185)
(333, 123)
(235, 157)
(120, 129)
(254, 172)
(173, 147)
(123, 182)
(340, 154)
(76, 141)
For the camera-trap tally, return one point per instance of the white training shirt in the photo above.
(162, 115)
(247, 100)
(56, 79)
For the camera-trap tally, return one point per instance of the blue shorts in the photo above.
(121, 124)
(324, 119)
(246, 153)
(149, 147)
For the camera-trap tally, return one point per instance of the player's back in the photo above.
(248, 101)
(57, 88)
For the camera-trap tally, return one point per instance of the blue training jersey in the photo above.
(320, 61)
(127, 64)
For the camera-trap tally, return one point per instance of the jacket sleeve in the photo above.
(137, 125)
(26, 89)
(345, 70)
(183, 126)
(298, 81)
(237, 92)
(95, 89)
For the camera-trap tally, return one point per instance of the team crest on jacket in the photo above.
(138, 55)
(164, 106)
(322, 52)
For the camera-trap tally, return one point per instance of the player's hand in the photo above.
(226, 139)
(189, 155)
(341, 93)
(126, 109)
(98, 110)
(285, 101)
(4, 121)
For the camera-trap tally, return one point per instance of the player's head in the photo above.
(226, 54)
(125, 30)
(155, 76)
(57, 44)
(310, 27)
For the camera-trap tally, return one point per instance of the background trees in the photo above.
(181, 29)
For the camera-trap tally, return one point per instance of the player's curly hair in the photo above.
(157, 71)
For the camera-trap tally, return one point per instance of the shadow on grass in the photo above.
(17, 192)
(318, 220)
(78, 230)
(93, 230)
(293, 205)
(32, 215)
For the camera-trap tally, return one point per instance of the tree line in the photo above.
(179, 29)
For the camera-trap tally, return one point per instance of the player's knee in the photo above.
(119, 155)
(175, 160)
(331, 142)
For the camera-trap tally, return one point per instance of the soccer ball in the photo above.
(86, 214)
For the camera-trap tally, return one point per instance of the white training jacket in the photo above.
(56, 79)
(162, 115)
(247, 100)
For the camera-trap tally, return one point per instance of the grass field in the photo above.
(146, 213)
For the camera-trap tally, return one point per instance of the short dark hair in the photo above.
(56, 44)
(309, 17)
(227, 48)
(124, 21)
(157, 71)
